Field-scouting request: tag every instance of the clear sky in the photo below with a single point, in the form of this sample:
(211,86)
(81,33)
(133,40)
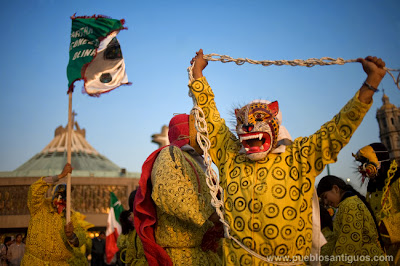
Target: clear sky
(161,39)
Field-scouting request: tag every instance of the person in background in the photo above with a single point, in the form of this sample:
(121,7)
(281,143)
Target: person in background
(383,193)
(355,231)
(50,240)
(99,249)
(16,251)
(4,249)
(129,242)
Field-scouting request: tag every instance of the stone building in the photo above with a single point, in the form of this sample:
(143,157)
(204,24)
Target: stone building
(93,178)
(388,116)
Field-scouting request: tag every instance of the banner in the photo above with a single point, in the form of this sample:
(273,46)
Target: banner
(95,55)
(113,227)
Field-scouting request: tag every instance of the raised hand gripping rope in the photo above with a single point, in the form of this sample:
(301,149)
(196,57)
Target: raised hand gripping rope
(204,142)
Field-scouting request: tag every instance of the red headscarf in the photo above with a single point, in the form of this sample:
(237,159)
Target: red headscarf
(145,216)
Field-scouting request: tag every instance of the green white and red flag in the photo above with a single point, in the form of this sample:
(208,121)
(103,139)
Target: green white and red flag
(113,227)
(95,54)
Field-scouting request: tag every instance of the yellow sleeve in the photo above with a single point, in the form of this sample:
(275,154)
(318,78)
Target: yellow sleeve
(78,230)
(36,195)
(392,223)
(220,135)
(175,188)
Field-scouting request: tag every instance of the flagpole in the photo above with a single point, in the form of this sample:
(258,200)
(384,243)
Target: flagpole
(69,145)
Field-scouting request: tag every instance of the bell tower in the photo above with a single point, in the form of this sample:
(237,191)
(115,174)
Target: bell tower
(388,116)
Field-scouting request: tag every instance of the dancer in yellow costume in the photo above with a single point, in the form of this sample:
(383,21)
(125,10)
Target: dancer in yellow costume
(50,241)
(173,208)
(268,185)
(356,239)
(383,193)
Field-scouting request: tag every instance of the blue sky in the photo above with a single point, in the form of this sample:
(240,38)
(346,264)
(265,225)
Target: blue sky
(161,39)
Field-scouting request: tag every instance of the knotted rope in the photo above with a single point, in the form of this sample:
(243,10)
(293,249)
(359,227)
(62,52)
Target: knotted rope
(205,144)
(324,61)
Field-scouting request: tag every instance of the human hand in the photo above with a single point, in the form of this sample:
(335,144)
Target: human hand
(374,67)
(200,64)
(67,170)
(69,230)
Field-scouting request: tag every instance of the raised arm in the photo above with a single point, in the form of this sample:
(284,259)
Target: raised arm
(374,68)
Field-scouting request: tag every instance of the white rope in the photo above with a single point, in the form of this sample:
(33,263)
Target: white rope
(324,61)
(204,141)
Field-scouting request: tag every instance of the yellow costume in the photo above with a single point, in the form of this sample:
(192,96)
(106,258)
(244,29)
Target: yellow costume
(268,202)
(391,221)
(182,200)
(46,242)
(134,254)
(355,235)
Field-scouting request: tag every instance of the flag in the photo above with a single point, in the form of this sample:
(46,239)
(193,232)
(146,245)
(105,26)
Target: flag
(95,54)
(113,227)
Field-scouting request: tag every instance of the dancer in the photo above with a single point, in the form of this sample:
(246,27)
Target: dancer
(268,181)
(173,203)
(383,193)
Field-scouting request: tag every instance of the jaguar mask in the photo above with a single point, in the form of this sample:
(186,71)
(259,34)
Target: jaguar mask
(258,128)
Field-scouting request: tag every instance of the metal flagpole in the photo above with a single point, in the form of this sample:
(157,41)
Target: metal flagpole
(69,145)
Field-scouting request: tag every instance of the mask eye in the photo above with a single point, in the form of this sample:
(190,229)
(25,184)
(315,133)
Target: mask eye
(260,116)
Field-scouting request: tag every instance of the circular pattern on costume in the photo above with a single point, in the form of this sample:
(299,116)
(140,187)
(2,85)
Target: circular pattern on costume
(262,173)
(277,160)
(231,258)
(305,168)
(246,259)
(306,186)
(294,193)
(239,224)
(330,126)
(240,204)
(289,160)
(354,114)
(359,215)
(278,173)
(288,232)
(249,242)
(248,171)
(297,156)
(278,191)
(301,224)
(355,236)
(294,173)
(245,182)
(349,219)
(300,242)
(255,224)
(255,206)
(266,249)
(345,131)
(350,248)
(358,224)
(271,210)
(289,213)
(260,189)
(232,188)
(346,229)
(304,205)
(235,172)
(271,231)
(308,234)
(319,165)
(281,250)
(229,204)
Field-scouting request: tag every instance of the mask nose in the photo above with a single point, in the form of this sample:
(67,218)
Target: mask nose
(248,127)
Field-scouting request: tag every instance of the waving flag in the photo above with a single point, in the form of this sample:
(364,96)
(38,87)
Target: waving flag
(113,227)
(95,54)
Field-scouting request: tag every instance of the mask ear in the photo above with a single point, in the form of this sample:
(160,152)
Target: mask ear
(236,112)
(274,108)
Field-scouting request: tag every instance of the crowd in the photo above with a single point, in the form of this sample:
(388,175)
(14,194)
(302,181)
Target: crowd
(269,200)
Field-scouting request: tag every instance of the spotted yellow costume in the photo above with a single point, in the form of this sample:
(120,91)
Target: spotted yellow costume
(46,242)
(354,234)
(268,202)
(182,200)
(132,246)
(391,219)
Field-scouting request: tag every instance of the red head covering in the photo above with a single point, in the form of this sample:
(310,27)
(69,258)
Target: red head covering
(144,210)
